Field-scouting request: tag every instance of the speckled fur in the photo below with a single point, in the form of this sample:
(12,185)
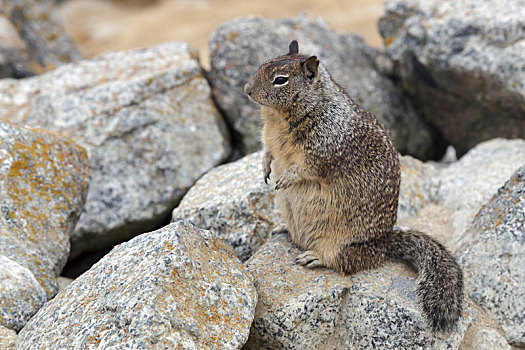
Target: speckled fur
(337,174)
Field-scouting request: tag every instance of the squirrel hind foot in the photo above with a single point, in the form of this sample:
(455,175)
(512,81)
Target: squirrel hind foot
(280,230)
(309,259)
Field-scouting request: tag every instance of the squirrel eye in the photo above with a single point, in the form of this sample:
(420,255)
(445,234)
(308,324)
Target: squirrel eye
(280,80)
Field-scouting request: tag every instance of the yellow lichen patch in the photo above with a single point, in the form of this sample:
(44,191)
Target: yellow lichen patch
(45,184)
(389,40)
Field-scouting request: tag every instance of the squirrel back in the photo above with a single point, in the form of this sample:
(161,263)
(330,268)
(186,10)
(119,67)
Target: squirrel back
(337,176)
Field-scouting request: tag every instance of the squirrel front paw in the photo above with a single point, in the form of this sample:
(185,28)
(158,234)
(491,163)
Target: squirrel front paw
(287,178)
(266,165)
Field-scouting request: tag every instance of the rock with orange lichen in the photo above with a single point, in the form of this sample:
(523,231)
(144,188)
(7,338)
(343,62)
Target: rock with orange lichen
(300,308)
(43,184)
(179,287)
(148,123)
(32,39)
(492,253)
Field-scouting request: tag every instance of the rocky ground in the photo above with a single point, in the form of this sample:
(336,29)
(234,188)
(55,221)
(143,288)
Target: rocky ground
(100,154)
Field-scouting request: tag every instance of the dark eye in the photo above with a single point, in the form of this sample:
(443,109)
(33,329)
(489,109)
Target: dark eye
(280,80)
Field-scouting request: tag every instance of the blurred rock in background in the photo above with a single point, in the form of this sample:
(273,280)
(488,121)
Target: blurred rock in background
(32,39)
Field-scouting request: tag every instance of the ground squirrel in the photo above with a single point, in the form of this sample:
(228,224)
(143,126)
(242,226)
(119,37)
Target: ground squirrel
(337,180)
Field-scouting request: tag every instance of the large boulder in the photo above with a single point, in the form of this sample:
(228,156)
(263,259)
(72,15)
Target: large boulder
(492,253)
(462,62)
(148,123)
(300,308)
(233,201)
(176,288)
(442,199)
(466,185)
(33,41)
(240,46)
(43,184)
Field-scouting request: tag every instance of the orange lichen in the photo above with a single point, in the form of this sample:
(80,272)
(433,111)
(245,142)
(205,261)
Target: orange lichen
(46,181)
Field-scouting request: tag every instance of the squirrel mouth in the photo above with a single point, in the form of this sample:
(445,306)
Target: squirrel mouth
(254,100)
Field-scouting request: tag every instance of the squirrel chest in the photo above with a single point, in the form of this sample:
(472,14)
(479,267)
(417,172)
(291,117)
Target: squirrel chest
(307,205)
(279,141)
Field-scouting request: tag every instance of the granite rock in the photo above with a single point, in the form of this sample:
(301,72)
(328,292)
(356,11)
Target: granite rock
(419,186)
(20,294)
(492,253)
(300,308)
(462,63)
(177,287)
(7,338)
(489,339)
(471,181)
(33,40)
(240,46)
(148,123)
(233,201)
(43,184)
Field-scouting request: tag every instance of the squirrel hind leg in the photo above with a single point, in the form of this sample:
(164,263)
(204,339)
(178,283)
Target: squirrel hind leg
(355,257)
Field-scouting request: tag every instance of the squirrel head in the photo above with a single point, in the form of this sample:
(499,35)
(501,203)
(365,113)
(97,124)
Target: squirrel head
(286,83)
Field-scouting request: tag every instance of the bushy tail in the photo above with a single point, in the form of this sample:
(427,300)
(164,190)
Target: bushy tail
(440,283)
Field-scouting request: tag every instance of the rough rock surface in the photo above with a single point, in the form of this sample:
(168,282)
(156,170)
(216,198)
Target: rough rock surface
(462,62)
(7,338)
(177,287)
(148,123)
(233,201)
(419,186)
(488,339)
(43,184)
(33,40)
(471,181)
(300,308)
(492,253)
(240,46)
(20,293)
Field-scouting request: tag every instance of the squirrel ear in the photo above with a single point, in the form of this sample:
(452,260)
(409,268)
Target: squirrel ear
(311,67)
(293,49)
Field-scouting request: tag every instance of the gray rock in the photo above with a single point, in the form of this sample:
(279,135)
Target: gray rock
(233,201)
(7,338)
(462,62)
(419,186)
(20,294)
(489,339)
(470,182)
(148,123)
(63,282)
(177,287)
(43,184)
(492,253)
(300,308)
(33,41)
(240,46)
